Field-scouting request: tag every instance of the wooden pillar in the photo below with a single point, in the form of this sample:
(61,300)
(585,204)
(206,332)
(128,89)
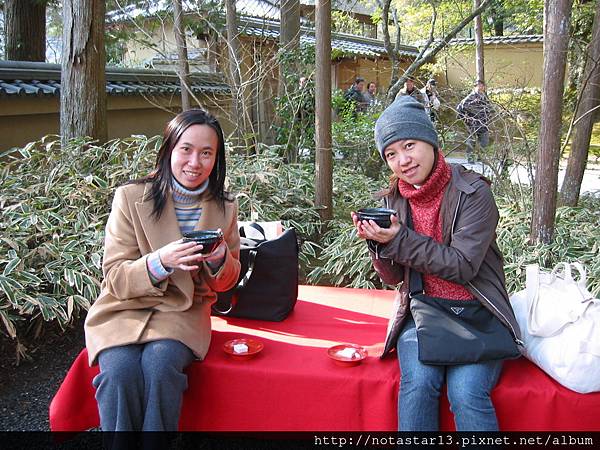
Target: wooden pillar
(479,61)
(324,158)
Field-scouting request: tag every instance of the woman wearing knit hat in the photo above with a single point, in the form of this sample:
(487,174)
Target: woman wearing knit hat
(450,245)
(152,318)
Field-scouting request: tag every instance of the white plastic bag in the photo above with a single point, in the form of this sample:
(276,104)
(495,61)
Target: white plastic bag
(560,323)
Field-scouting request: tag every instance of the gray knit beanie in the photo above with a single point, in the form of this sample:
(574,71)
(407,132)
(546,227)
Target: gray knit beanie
(404,119)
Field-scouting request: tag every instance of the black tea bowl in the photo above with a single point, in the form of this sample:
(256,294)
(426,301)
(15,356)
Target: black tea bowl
(381,216)
(210,239)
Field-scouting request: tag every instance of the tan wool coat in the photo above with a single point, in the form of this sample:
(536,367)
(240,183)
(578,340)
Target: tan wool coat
(130,309)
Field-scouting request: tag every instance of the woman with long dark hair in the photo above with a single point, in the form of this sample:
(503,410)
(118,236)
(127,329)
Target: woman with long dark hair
(152,318)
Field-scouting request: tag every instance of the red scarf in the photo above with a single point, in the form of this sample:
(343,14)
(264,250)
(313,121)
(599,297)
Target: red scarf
(425,205)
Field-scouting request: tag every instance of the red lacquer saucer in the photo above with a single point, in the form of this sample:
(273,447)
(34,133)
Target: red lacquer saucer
(254,347)
(347,355)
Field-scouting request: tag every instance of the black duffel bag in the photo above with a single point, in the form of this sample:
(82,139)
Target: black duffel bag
(267,287)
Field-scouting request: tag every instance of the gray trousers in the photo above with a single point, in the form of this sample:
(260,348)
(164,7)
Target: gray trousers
(476,135)
(140,387)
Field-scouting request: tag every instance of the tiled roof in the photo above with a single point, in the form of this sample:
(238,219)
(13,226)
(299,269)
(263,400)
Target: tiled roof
(348,43)
(265,9)
(258,8)
(261,18)
(25,78)
(515,39)
(355,6)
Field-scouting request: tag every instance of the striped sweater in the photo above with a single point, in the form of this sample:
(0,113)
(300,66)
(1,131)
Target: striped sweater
(188,212)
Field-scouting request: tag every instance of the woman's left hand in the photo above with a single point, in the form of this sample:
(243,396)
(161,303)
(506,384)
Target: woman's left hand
(216,258)
(370,230)
(217,255)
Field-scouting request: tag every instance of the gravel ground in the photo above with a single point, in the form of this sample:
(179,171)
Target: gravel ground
(27,389)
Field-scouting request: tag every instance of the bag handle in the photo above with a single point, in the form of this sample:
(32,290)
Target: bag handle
(242,283)
(532,286)
(554,323)
(566,268)
(582,274)
(568,275)
(415,279)
(257,227)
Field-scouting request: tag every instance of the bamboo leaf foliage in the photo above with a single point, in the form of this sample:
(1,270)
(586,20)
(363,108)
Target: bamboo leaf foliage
(54,204)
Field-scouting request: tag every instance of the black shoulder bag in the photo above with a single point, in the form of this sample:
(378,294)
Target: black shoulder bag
(456,331)
(267,287)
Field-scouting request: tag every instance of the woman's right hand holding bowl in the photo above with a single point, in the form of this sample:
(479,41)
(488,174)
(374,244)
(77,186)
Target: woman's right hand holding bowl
(181,255)
(377,224)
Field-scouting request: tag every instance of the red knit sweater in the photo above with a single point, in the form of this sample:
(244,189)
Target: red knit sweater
(425,205)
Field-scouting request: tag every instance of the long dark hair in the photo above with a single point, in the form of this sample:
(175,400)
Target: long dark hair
(161,177)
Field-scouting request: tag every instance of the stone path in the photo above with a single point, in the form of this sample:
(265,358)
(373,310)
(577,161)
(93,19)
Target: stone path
(589,185)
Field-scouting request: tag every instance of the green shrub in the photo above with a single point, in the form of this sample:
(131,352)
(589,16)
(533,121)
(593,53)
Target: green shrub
(295,107)
(344,260)
(576,238)
(269,189)
(352,138)
(55,203)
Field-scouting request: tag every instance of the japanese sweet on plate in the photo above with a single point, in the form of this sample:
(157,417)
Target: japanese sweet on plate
(347,355)
(242,348)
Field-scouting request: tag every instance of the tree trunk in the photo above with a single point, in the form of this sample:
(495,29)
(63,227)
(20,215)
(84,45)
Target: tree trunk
(323,159)
(497,12)
(25,30)
(387,43)
(83,77)
(590,98)
(557,15)
(289,38)
(289,41)
(479,62)
(183,68)
(233,44)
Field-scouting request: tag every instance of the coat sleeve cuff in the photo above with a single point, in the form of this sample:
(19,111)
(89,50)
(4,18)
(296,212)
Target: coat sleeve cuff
(225,277)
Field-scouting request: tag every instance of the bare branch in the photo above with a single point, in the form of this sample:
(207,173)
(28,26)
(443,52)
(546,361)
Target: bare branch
(183,67)
(575,119)
(426,57)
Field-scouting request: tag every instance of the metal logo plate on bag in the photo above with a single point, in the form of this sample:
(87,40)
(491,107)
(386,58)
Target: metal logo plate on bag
(457,310)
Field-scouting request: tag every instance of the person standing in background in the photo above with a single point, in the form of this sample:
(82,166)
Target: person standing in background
(371,94)
(433,102)
(410,90)
(355,94)
(475,111)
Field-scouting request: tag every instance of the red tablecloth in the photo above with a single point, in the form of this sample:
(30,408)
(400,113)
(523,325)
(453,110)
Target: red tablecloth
(292,385)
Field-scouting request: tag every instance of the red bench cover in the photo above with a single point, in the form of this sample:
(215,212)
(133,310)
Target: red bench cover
(292,385)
